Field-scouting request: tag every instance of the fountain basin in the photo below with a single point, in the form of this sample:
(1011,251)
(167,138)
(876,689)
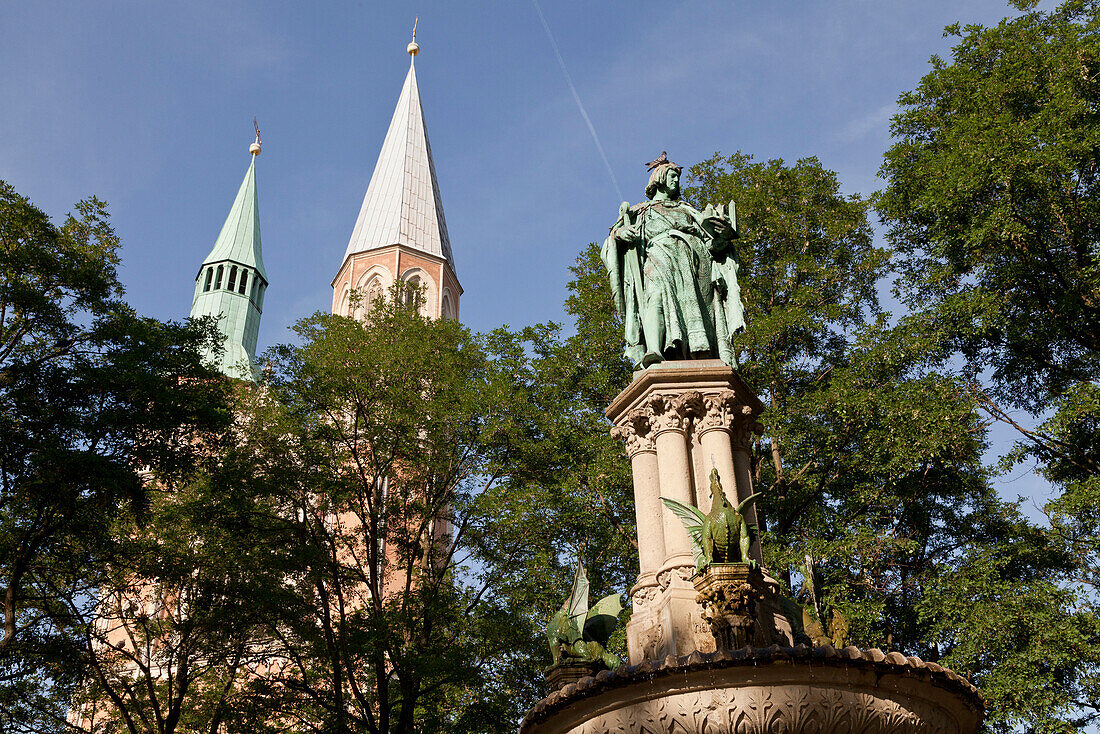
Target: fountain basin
(765,691)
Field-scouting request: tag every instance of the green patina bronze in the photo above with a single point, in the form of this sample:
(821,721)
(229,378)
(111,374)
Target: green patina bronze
(673,272)
(579,635)
(720,536)
(231,282)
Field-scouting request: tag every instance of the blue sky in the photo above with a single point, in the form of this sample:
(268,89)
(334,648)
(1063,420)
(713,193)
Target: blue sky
(149,106)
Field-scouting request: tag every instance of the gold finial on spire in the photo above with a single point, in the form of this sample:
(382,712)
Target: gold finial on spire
(413,49)
(254,149)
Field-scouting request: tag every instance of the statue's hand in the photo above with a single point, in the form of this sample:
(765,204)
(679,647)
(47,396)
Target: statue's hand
(719,227)
(721,287)
(627,233)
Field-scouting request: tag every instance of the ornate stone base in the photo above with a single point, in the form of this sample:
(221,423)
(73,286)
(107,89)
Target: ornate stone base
(667,619)
(673,619)
(765,691)
(729,594)
(559,676)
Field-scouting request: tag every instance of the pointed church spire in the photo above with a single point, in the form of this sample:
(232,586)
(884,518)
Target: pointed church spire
(402,204)
(231,282)
(239,239)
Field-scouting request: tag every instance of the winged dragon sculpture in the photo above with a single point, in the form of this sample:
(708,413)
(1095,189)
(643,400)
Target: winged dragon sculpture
(579,634)
(720,536)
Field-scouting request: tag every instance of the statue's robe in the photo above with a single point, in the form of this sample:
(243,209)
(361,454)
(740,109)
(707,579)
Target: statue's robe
(663,261)
(624,271)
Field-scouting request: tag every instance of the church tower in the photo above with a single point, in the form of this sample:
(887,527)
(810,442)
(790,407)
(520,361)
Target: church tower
(232,280)
(401,234)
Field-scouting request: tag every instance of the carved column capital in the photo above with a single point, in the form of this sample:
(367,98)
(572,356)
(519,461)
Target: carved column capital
(635,430)
(718,410)
(743,428)
(674,412)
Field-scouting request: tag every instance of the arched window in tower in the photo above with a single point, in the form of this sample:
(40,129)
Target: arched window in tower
(373,294)
(446,308)
(209,278)
(232,279)
(218,280)
(255,290)
(412,296)
(243,287)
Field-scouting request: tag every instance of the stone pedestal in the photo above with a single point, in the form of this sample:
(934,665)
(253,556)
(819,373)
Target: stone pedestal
(698,661)
(730,594)
(680,419)
(559,676)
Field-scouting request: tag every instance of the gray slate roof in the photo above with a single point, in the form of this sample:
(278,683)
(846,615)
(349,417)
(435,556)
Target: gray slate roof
(402,204)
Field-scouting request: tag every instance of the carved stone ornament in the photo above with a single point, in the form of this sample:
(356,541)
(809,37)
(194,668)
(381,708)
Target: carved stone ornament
(743,429)
(645,597)
(760,710)
(680,573)
(719,411)
(634,431)
(653,640)
(766,691)
(673,412)
(728,593)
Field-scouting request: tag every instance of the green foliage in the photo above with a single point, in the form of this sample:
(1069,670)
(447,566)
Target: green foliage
(992,200)
(179,622)
(372,442)
(869,463)
(567,490)
(1004,620)
(90,393)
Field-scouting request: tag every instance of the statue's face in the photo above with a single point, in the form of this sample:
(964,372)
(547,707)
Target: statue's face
(672,180)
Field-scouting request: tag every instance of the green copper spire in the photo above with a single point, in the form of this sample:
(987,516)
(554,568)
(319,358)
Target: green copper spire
(231,282)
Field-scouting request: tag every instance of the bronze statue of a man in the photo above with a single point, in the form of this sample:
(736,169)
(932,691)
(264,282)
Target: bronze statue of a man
(673,273)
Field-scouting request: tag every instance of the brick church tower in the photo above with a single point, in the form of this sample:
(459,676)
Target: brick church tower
(401,234)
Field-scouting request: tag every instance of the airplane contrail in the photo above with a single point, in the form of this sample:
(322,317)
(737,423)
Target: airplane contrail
(577,98)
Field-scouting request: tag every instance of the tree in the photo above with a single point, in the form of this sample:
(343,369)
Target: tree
(871,460)
(370,440)
(567,493)
(91,394)
(178,631)
(992,199)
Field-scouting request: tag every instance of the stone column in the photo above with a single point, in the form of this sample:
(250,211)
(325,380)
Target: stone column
(742,429)
(643,630)
(670,421)
(678,616)
(713,430)
(635,433)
